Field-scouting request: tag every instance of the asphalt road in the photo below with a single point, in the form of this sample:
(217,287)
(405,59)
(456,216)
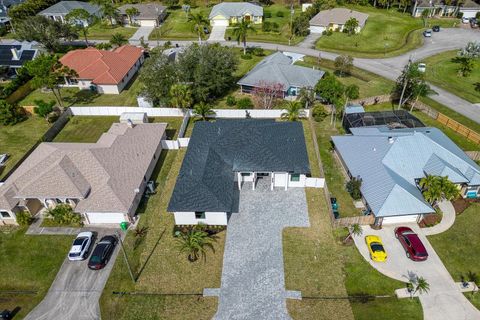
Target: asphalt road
(76,290)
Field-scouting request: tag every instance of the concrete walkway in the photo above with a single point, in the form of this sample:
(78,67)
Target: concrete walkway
(36,229)
(310,40)
(253,280)
(444,301)
(448,219)
(141,32)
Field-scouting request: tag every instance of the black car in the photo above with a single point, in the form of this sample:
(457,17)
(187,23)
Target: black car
(206,30)
(102,252)
(436,28)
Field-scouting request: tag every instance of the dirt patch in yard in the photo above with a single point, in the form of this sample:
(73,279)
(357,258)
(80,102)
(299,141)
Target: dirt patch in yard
(430,220)
(462,204)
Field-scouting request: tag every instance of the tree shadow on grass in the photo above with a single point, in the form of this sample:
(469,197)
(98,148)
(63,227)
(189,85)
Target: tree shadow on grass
(149,256)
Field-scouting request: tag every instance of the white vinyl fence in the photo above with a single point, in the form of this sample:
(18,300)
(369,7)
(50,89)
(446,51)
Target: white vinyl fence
(315,182)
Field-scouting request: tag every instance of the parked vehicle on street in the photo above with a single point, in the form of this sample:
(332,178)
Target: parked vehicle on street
(473,22)
(465,20)
(422,67)
(411,243)
(436,28)
(102,252)
(375,248)
(427,33)
(3,158)
(80,246)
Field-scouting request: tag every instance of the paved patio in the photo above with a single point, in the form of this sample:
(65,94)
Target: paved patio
(253,281)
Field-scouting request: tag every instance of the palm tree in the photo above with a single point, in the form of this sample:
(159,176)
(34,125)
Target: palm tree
(181,96)
(353,230)
(118,40)
(200,22)
(428,182)
(472,277)
(109,11)
(449,189)
(77,17)
(132,12)
(421,286)
(421,90)
(307,97)
(293,111)
(203,110)
(240,31)
(195,242)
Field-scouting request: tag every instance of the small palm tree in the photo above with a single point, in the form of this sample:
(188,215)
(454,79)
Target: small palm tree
(293,111)
(473,277)
(449,189)
(118,40)
(195,242)
(353,230)
(181,96)
(240,31)
(131,12)
(421,90)
(200,22)
(421,286)
(307,97)
(203,110)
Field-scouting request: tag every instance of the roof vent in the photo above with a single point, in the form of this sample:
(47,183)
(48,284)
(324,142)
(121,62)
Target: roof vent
(374,149)
(129,123)
(390,140)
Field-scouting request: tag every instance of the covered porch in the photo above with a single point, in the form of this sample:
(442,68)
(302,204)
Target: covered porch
(269,180)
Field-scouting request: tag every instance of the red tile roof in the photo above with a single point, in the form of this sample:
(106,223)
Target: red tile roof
(102,66)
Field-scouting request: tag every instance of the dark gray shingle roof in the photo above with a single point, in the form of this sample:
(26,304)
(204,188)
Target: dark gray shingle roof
(219,149)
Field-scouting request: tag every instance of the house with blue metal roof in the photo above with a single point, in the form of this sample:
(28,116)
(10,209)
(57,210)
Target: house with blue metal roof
(227,155)
(228,13)
(391,162)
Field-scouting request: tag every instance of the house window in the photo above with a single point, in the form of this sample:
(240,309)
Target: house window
(199,215)
(72,81)
(5,214)
(295,177)
(245,174)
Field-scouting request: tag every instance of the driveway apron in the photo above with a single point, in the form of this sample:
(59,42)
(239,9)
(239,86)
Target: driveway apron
(253,281)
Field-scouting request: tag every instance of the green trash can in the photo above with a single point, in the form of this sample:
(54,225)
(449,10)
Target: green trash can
(124,225)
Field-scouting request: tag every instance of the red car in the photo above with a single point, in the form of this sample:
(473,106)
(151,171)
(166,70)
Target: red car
(411,243)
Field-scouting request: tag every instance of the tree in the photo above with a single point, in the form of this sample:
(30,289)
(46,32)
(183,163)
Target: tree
(171,3)
(45,31)
(351,92)
(118,40)
(10,114)
(76,17)
(353,187)
(330,89)
(131,12)
(435,188)
(477,86)
(194,243)
(406,88)
(28,8)
(307,97)
(240,31)
(109,11)
(43,108)
(422,89)
(301,25)
(343,65)
(266,94)
(466,57)
(181,96)
(203,110)
(47,71)
(449,189)
(324,4)
(425,16)
(199,22)
(293,111)
(404,4)
(421,285)
(353,230)
(472,277)
(350,26)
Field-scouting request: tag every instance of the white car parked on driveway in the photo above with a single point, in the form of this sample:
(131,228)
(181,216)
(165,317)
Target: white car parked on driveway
(422,67)
(80,246)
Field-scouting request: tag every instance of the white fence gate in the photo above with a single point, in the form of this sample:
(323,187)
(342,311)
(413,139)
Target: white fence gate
(315,182)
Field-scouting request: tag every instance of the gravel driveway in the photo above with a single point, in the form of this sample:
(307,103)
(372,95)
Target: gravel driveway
(444,301)
(75,292)
(253,281)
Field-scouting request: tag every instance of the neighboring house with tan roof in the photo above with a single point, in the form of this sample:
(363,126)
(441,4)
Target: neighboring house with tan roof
(334,19)
(103,71)
(149,14)
(102,181)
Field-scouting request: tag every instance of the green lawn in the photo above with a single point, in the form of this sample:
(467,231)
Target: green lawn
(16,140)
(443,72)
(74,96)
(461,141)
(29,263)
(101,31)
(160,267)
(177,26)
(280,36)
(369,84)
(386,33)
(458,247)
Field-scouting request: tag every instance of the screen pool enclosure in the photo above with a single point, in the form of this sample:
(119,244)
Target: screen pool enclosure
(394,119)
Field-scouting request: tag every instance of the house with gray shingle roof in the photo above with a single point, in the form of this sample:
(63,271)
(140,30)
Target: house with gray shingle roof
(335,19)
(277,69)
(227,13)
(391,162)
(61,9)
(226,155)
(103,181)
(149,14)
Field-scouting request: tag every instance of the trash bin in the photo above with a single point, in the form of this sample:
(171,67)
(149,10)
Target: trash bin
(124,225)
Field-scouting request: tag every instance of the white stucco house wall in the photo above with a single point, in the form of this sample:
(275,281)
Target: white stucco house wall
(228,13)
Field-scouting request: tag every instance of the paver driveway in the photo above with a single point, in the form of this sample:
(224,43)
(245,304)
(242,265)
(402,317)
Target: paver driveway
(253,282)
(75,291)
(444,301)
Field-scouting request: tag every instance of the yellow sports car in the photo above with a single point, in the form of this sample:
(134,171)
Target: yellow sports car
(375,248)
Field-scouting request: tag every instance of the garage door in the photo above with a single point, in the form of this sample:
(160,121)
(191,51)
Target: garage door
(220,22)
(401,219)
(314,29)
(469,14)
(103,217)
(147,23)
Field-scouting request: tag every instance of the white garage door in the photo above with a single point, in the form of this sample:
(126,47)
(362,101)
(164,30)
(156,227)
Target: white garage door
(147,23)
(103,217)
(314,29)
(400,219)
(220,22)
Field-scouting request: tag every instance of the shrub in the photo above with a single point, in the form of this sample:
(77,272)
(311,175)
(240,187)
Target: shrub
(353,187)
(247,56)
(319,113)
(267,14)
(231,101)
(63,214)
(53,116)
(266,26)
(10,114)
(259,52)
(275,26)
(24,218)
(245,103)
(280,14)
(43,108)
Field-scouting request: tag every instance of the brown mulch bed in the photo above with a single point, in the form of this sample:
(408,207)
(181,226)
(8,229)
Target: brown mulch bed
(462,204)
(430,220)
